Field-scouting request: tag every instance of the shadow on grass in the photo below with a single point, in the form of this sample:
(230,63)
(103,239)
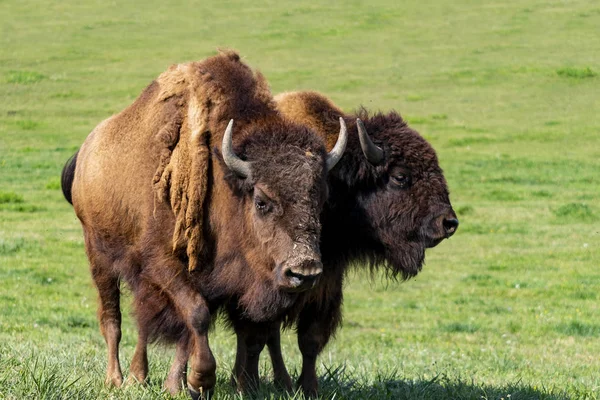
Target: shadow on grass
(337,384)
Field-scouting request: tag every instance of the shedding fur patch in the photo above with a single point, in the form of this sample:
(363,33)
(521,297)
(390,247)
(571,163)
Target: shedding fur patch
(211,92)
(182,176)
(173,82)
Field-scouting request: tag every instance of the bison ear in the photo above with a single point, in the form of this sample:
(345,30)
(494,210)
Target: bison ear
(237,184)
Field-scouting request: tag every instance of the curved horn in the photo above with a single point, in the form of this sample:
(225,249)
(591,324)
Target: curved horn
(338,150)
(373,153)
(233,162)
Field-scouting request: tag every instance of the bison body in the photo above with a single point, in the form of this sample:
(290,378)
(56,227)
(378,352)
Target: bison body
(192,223)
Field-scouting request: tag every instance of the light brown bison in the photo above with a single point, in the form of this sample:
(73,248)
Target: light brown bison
(388,202)
(190,229)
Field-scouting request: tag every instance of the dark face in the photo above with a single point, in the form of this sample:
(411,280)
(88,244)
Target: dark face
(282,202)
(408,207)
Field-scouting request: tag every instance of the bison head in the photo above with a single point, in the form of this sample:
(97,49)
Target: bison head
(280,177)
(403,201)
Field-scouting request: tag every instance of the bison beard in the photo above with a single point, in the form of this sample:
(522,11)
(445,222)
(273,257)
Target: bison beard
(191,231)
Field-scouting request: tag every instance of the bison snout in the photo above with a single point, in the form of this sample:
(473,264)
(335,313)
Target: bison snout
(301,277)
(450,226)
(441,227)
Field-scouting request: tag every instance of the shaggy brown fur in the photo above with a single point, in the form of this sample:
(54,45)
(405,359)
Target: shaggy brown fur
(164,213)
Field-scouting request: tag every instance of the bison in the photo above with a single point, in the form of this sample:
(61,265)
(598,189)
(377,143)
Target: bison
(192,222)
(388,203)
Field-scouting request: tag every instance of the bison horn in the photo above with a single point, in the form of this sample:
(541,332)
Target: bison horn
(233,162)
(338,150)
(373,153)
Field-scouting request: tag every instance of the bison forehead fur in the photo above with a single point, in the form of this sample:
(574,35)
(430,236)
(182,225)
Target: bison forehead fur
(288,159)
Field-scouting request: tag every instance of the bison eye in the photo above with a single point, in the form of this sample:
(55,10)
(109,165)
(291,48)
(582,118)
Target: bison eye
(402,181)
(262,202)
(261,206)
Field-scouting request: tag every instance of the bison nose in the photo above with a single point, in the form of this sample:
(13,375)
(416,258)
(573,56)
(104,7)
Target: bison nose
(441,227)
(305,276)
(450,226)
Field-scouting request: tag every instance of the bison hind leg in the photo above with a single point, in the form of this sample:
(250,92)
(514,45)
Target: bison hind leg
(105,274)
(109,316)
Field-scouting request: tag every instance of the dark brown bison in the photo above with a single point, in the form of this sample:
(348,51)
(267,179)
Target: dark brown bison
(388,203)
(191,230)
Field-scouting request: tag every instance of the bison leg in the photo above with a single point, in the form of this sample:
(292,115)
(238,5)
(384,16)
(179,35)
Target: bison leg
(138,371)
(177,374)
(193,310)
(251,338)
(251,341)
(315,328)
(240,358)
(280,373)
(201,378)
(109,314)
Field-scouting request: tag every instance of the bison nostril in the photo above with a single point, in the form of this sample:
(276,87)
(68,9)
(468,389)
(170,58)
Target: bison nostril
(450,226)
(298,278)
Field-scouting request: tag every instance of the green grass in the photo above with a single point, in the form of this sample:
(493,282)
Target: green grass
(578,73)
(10,197)
(23,77)
(507,93)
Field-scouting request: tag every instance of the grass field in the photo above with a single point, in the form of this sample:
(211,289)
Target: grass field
(507,92)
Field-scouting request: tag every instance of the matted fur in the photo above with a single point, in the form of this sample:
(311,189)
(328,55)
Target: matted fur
(181,177)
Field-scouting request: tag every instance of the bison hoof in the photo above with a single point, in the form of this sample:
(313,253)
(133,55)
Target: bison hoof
(310,387)
(116,381)
(200,385)
(200,395)
(173,386)
(133,379)
(245,385)
(284,382)
(195,395)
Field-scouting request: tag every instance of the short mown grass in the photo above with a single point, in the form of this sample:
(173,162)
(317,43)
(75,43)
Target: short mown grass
(506,92)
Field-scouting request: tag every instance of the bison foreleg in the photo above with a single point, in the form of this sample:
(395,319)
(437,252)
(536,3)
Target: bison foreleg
(280,373)
(240,358)
(201,377)
(192,309)
(177,374)
(315,328)
(251,339)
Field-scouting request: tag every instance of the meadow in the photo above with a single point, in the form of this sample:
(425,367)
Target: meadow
(507,92)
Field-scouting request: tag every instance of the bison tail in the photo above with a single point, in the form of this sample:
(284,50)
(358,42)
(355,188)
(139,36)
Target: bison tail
(68,173)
